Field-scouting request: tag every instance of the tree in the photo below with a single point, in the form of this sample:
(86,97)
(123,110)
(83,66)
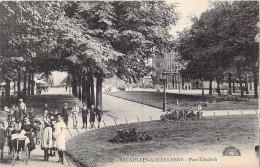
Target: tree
(221,40)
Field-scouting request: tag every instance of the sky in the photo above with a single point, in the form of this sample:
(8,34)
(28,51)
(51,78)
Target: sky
(185,8)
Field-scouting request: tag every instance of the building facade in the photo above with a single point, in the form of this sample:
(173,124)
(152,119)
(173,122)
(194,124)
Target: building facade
(172,66)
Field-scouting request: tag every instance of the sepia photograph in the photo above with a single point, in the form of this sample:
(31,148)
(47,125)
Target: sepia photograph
(145,83)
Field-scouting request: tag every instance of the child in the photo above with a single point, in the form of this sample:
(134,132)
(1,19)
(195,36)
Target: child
(2,138)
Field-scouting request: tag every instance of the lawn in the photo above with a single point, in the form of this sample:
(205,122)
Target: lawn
(93,148)
(209,102)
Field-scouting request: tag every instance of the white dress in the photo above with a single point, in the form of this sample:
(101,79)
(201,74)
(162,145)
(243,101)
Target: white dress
(60,136)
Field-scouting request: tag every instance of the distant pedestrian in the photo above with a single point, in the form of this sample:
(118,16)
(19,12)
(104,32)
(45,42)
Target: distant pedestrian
(65,114)
(22,107)
(92,115)
(2,138)
(46,107)
(66,87)
(60,137)
(74,114)
(99,114)
(84,116)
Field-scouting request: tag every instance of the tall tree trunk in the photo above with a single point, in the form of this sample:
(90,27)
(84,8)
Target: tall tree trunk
(88,91)
(255,85)
(79,85)
(99,91)
(218,87)
(14,85)
(92,89)
(32,84)
(83,84)
(241,86)
(229,84)
(202,87)
(19,84)
(210,86)
(234,89)
(24,83)
(247,92)
(29,84)
(7,91)
(74,85)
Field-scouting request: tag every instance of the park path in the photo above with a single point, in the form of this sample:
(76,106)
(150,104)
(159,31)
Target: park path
(116,111)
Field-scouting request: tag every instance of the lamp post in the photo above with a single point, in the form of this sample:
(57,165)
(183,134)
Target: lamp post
(164,91)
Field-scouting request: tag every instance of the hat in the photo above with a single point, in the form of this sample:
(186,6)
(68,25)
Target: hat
(20,100)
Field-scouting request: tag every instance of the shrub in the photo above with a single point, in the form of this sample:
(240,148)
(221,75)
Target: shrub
(129,135)
(179,115)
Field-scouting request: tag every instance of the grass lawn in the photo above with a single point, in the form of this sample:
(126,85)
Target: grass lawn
(185,101)
(94,149)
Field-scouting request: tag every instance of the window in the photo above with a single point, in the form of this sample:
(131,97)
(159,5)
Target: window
(157,64)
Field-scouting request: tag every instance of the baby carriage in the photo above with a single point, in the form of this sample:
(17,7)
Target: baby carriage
(19,142)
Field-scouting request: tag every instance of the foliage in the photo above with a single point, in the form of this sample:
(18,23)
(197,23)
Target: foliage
(221,40)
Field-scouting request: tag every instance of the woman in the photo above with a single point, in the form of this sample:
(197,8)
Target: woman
(27,127)
(46,142)
(60,137)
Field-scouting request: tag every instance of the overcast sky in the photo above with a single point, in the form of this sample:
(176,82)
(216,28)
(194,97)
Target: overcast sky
(187,8)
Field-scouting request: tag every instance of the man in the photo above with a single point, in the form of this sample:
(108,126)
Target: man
(65,114)
(60,137)
(74,114)
(84,116)
(99,114)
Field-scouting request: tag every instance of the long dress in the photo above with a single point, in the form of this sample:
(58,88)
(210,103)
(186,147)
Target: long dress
(46,141)
(60,136)
(28,128)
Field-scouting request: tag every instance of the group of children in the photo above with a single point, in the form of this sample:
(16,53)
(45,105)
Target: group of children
(92,112)
(24,123)
(19,124)
(53,134)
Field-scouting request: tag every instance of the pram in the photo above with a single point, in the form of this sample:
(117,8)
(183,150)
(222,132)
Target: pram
(19,142)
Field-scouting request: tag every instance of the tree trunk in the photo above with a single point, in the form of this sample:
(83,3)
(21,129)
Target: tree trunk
(29,84)
(241,86)
(234,89)
(229,84)
(247,92)
(88,92)
(74,85)
(83,84)
(92,89)
(218,87)
(32,84)
(79,85)
(19,84)
(24,83)
(255,85)
(99,92)
(210,86)
(14,85)
(202,86)
(7,91)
